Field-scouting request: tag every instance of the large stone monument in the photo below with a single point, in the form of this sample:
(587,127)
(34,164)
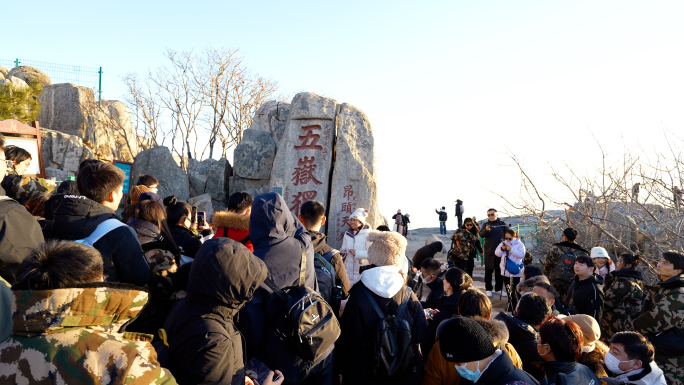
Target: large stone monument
(312,148)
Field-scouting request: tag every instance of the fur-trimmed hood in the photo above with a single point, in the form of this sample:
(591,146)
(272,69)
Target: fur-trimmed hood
(528,284)
(230,220)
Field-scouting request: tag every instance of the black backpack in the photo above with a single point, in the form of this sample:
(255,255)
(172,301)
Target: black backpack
(564,271)
(301,317)
(393,346)
(325,275)
(442,216)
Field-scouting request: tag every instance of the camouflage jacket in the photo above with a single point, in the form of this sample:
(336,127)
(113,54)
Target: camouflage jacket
(554,255)
(624,291)
(70,336)
(663,307)
(463,245)
(22,187)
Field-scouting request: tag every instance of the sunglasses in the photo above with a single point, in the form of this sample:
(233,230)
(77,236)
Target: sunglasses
(491,215)
(469,225)
(508,239)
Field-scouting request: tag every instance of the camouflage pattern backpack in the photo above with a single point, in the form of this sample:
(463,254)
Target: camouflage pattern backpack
(564,269)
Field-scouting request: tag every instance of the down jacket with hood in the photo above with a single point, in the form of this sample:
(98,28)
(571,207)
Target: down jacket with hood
(234,226)
(19,234)
(355,241)
(76,217)
(277,237)
(515,254)
(360,326)
(523,337)
(205,346)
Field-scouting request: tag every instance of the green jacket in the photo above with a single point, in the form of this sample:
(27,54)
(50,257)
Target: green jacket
(70,336)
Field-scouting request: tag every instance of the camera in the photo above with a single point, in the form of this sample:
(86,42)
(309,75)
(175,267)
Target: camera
(337,293)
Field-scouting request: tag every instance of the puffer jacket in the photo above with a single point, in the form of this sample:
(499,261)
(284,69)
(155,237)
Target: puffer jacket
(205,346)
(75,217)
(523,338)
(67,336)
(278,238)
(355,241)
(19,235)
(516,254)
(624,295)
(649,375)
(234,226)
(662,310)
(566,373)
(360,325)
(188,242)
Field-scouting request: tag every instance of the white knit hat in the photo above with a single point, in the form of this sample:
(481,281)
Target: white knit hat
(599,252)
(360,214)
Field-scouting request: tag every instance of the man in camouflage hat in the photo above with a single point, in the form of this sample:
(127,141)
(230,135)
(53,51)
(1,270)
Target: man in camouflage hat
(67,323)
(663,314)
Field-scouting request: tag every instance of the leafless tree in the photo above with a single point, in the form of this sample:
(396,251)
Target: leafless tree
(211,93)
(631,204)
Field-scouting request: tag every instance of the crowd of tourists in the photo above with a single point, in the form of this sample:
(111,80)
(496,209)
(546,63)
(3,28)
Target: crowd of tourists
(256,295)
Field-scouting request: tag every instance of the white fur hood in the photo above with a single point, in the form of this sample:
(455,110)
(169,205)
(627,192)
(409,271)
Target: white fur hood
(384,281)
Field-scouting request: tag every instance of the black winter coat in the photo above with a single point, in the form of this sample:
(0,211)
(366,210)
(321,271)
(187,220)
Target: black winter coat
(319,241)
(567,373)
(586,297)
(205,347)
(501,371)
(19,235)
(425,252)
(436,292)
(76,217)
(359,328)
(492,239)
(187,241)
(277,237)
(523,337)
(448,307)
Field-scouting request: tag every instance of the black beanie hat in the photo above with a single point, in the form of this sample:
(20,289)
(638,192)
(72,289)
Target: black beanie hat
(570,233)
(462,339)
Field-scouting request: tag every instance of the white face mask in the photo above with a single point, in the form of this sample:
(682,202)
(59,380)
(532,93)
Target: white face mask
(613,364)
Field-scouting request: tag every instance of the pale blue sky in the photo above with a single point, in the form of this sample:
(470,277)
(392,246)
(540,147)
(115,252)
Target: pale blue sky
(448,86)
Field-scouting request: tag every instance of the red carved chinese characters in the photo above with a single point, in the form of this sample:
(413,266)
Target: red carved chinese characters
(300,198)
(347,207)
(304,173)
(309,139)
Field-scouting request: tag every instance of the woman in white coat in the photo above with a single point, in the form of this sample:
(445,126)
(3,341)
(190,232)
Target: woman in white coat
(354,244)
(512,252)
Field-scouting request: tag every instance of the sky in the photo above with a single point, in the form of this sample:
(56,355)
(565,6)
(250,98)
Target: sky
(452,89)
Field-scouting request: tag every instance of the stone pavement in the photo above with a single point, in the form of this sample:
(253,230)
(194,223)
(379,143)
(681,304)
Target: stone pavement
(417,239)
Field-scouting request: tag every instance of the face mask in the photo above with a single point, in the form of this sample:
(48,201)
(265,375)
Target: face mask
(613,364)
(467,373)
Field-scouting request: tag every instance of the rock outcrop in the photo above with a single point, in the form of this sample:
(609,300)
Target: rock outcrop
(158,162)
(354,180)
(62,153)
(305,154)
(4,71)
(105,129)
(209,176)
(14,81)
(323,151)
(29,74)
